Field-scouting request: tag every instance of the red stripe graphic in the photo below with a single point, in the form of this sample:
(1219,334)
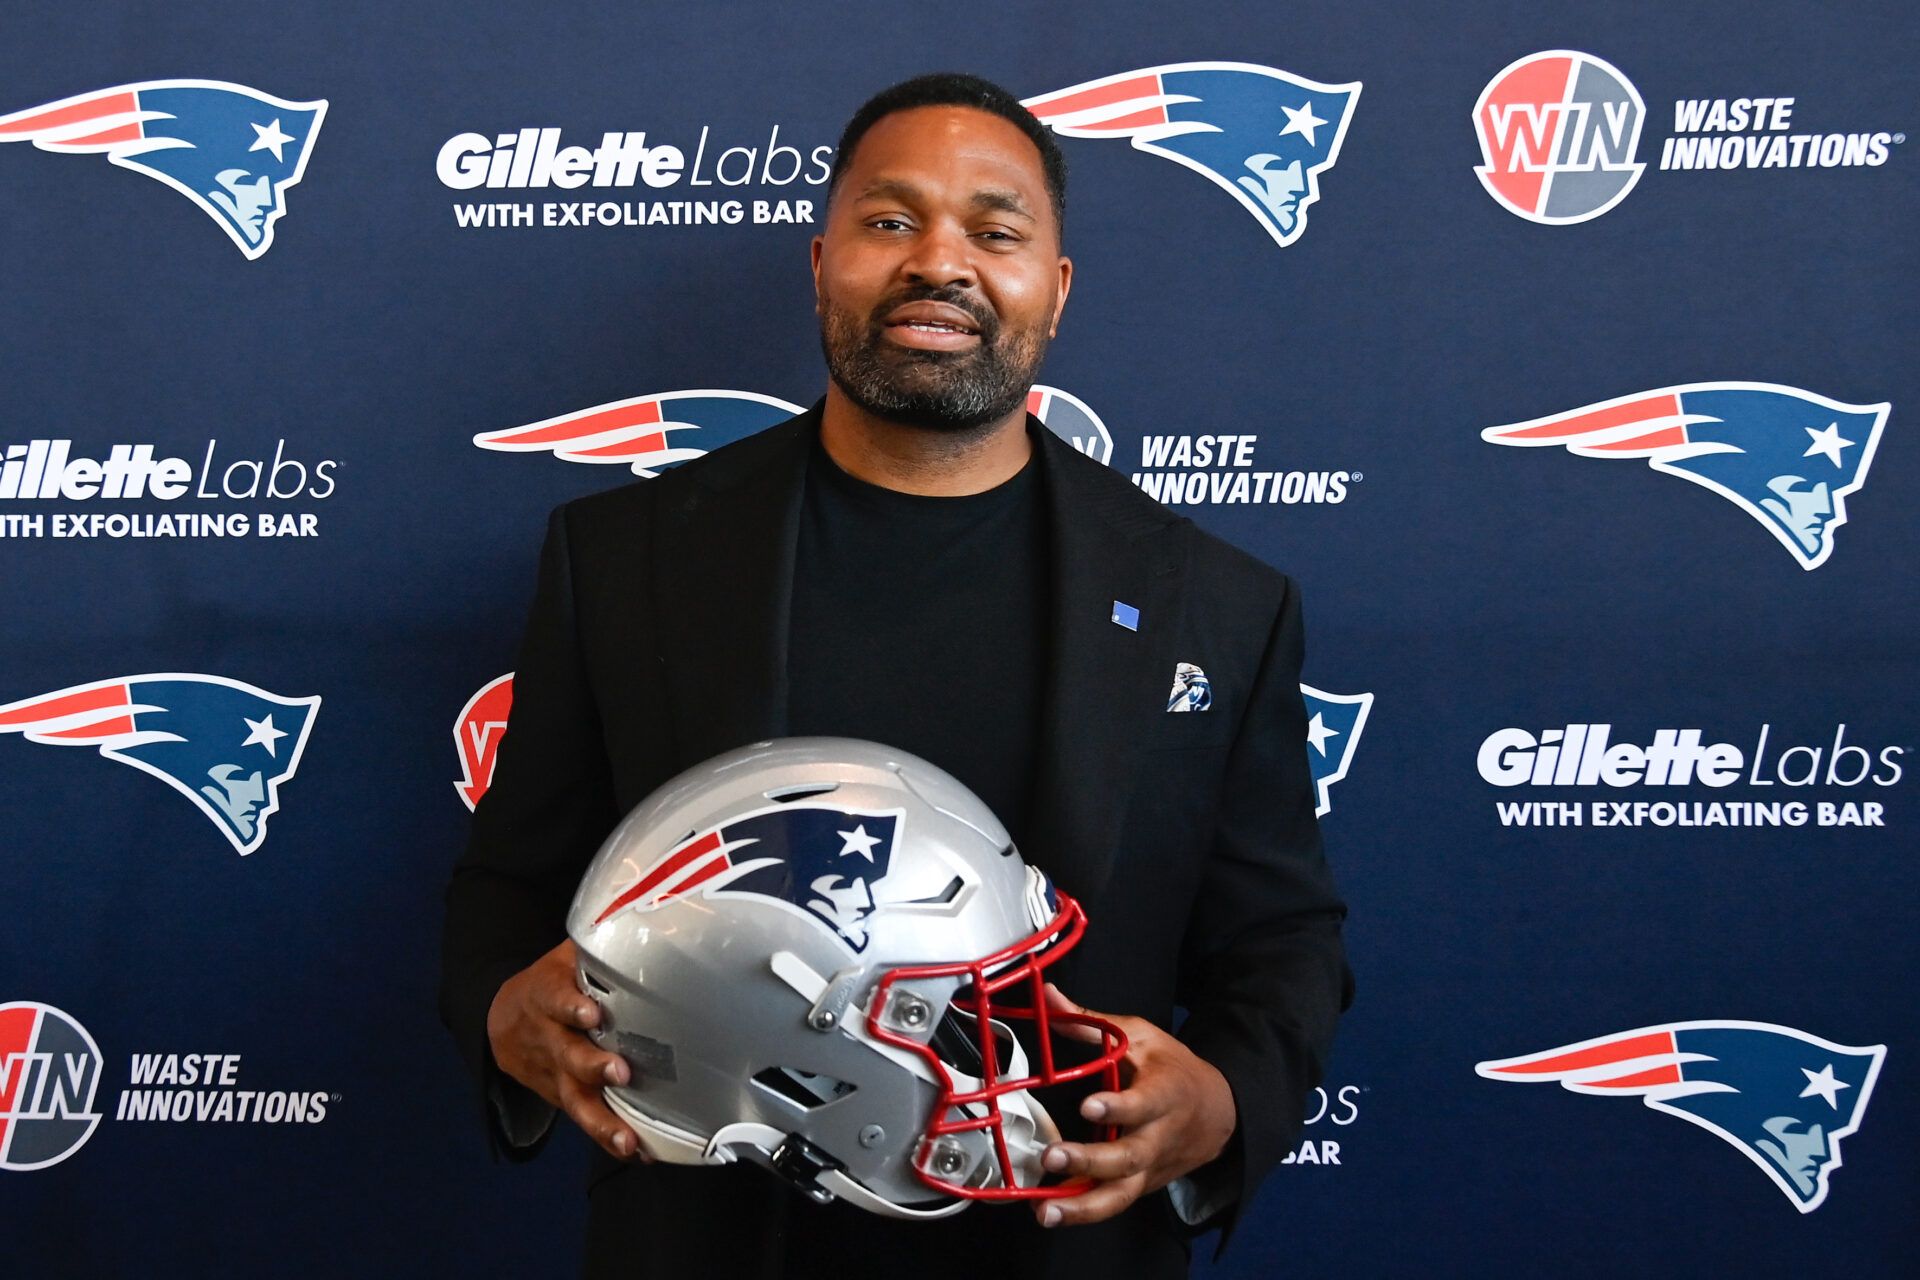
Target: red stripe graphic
(663,871)
(1599,1055)
(16,1037)
(643,414)
(1106,95)
(1652,440)
(111,104)
(98,729)
(1669,1074)
(121,133)
(701,874)
(1619,415)
(103,698)
(653,442)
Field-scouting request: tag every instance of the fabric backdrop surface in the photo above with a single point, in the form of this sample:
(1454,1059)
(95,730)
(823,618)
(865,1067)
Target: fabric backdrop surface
(1563,353)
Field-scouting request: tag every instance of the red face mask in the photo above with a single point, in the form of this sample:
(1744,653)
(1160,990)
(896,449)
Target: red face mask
(977,1035)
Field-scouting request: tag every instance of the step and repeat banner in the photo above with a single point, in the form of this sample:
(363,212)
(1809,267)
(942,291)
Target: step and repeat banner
(1564,353)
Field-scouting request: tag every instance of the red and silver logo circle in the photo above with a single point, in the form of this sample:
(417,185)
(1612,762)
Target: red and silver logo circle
(1558,135)
(49,1072)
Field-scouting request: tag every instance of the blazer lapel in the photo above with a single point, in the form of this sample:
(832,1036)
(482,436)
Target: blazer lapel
(724,584)
(1105,682)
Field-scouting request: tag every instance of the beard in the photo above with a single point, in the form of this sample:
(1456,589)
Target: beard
(950,391)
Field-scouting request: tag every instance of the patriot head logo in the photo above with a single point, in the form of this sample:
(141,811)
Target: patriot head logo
(1334,722)
(1070,418)
(49,1073)
(1783,1097)
(224,745)
(1558,134)
(231,150)
(646,433)
(817,859)
(1786,457)
(1192,689)
(477,733)
(1262,136)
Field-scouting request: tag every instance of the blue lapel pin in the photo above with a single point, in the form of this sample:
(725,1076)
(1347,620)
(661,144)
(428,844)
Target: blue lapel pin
(1125,615)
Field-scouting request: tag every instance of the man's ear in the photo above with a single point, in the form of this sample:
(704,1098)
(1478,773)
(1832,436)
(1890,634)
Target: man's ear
(819,242)
(1060,303)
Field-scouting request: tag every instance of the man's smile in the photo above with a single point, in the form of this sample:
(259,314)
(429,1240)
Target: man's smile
(931,326)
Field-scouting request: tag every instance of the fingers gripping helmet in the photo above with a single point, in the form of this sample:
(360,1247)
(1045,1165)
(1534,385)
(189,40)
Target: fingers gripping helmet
(812,953)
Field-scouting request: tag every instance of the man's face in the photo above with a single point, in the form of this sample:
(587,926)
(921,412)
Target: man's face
(845,900)
(1799,1154)
(939,279)
(238,796)
(247,201)
(1805,512)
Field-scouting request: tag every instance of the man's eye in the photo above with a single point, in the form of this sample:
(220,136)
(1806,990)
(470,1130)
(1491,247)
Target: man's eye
(887,224)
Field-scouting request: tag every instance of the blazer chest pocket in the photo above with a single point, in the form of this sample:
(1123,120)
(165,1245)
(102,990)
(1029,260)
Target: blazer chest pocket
(1191,730)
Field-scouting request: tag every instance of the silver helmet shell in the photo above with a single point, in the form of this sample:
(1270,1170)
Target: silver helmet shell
(735,930)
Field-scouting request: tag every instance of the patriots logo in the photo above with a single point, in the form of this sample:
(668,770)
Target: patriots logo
(1192,690)
(1786,457)
(634,433)
(231,150)
(820,860)
(1070,418)
(1261,135)
(476,736)
(1783,1097)
(1334,722)
(224,745)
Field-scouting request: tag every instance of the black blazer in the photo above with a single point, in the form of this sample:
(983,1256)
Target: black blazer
(658,639)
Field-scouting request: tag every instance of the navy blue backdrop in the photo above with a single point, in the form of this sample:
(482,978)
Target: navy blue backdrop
(1700,306)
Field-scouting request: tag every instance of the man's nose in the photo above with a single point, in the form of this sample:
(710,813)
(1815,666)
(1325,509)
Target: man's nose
(942,254)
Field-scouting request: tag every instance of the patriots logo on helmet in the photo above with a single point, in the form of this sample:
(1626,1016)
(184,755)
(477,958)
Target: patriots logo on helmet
(1261,135)
(1786,457)
(231,150)
(636,433)
(1334,722)
(225,745)
(1073,420)
(1783,1097)
(821,860)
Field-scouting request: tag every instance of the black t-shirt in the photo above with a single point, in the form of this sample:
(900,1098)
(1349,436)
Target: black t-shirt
(920,622)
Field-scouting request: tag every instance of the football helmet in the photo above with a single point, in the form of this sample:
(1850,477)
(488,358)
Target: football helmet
(812,953)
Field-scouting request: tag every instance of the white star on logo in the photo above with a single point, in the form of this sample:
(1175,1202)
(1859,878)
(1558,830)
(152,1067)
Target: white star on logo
(264,733)
(1302,121)
(1318,733)
(1825,1084)
(271,139)
(858,841)
(1827,442)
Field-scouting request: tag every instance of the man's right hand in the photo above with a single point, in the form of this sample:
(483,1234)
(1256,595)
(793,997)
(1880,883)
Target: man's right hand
(534,1025)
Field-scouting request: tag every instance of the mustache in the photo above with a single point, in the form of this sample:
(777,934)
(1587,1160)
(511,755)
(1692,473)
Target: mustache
(982,316)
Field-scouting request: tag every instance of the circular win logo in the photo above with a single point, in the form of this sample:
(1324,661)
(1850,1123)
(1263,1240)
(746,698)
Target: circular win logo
(1558,134)
(49,1071)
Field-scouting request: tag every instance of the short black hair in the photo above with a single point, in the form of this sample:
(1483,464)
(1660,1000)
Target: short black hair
(955,89)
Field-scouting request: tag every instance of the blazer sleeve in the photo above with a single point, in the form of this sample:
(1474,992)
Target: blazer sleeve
(549,806)
(1263,972)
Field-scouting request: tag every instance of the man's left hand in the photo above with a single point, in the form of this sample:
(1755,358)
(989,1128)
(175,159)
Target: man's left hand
(1175,1113)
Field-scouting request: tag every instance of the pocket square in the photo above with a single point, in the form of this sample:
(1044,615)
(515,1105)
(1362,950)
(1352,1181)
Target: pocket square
(1192,691)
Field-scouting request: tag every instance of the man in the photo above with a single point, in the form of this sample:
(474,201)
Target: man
(917,562)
